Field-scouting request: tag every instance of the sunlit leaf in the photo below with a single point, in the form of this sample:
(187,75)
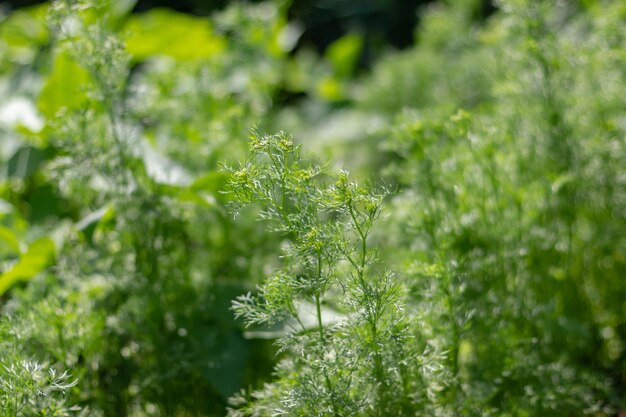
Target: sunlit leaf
(122,7)
(65,87)
(212,183)
(344,54)
(38,256)
(9,243)
(308,316)
(330,89)
(24,162)
(23,32)
(165,32)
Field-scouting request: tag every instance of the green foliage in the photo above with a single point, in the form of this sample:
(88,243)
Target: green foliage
(327,261)
(31,263)
(506,224)
(506,213)
(136,304)
(161,32)
(27,387)
(489,284)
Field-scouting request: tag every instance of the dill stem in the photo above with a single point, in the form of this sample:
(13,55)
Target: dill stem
(320,327)
(372,313)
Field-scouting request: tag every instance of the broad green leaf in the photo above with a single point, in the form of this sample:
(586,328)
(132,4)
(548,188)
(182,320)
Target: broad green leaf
(230,351)
(38,256)
(165,32)
(120,8)
(308,317)
(23,32)
(330,89)
(113,11)
(90,223)
(207,190)
(213,182)
(344,53)
(226,372)
(65,87)
(11,218)
(288,36)
(90,220)
(25,162)
(9,243)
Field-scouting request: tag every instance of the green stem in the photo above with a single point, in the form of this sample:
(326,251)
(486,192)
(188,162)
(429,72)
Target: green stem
(454,349)
(320,328)
(372,312)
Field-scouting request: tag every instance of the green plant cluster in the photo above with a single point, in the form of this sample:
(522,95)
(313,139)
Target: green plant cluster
(328,262)
(472,264)
(130,256)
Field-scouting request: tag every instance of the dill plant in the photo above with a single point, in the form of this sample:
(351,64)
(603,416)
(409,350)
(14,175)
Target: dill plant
(502,215)
(359,364)
(27,386)
(505,142)
(132,305)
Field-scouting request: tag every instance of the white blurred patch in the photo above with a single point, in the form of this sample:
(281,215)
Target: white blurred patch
(20,111)
(289,36)
(162,169)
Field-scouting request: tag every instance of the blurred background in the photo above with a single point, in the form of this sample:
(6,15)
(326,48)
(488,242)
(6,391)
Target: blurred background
(500,130)
(383,23)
